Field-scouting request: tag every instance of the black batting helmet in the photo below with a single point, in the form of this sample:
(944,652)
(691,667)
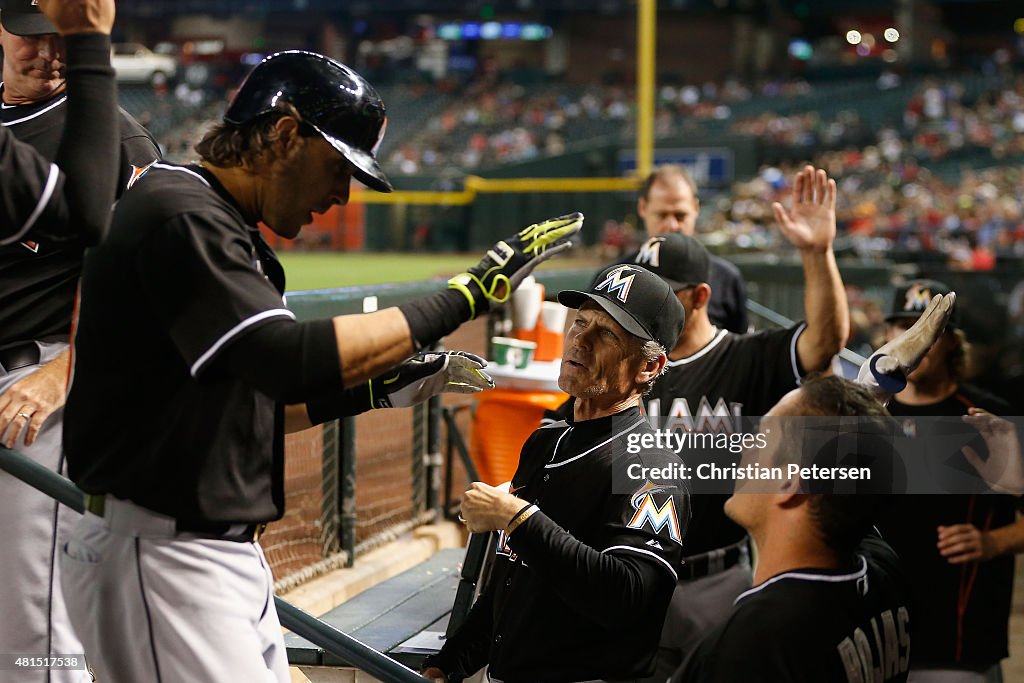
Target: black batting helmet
(332,98)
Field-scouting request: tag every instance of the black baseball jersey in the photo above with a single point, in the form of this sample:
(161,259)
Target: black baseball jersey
(31,189)
(734,376)
(180,276)
(815,625)
(38,277)
(579,590)
(961,611)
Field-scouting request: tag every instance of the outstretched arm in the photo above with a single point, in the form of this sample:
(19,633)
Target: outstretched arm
(810,226)
(70,198)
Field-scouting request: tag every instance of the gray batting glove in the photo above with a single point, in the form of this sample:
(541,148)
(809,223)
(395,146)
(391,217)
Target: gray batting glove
(429,374)
(509,261)
(885,372)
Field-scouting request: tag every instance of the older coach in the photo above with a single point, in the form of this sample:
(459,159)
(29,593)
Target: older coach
(586,555)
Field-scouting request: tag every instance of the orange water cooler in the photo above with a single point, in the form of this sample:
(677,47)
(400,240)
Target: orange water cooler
(505,417)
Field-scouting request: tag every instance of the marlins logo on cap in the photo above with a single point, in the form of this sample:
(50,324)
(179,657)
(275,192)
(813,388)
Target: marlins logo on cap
(917,297)
(910,300)
(637,299)
(650,252)
(680,260)
(617,284)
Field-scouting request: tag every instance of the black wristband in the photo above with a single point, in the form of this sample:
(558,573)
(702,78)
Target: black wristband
(344,404)
(434,316)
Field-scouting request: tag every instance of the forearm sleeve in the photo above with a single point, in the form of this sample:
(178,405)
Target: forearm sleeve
(432,317)
(288,361)
(88,152)
(604,587)
(349,402)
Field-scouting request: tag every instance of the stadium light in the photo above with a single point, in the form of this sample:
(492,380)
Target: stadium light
(892,35)
(853,37)
(1018,26)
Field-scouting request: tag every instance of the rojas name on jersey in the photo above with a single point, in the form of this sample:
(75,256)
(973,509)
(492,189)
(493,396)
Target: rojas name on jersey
(889,637)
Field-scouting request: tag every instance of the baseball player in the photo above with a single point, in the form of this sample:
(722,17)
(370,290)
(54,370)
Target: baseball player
(668,203)
(164,579)
(38,195)
(958,548)
(586,558)
(830,600)
(38,278)
(714,378)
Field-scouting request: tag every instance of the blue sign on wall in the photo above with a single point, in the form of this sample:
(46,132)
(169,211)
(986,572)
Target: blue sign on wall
(710,166)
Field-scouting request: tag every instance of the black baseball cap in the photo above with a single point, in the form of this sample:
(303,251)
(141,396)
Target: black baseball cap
(637,299)
(23,18)
(910,300)
(678,259)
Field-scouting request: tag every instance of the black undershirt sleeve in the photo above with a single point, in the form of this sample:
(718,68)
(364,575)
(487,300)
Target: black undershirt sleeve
(288,361)
(608,588)
(432,317)
(88,151)
(350,402)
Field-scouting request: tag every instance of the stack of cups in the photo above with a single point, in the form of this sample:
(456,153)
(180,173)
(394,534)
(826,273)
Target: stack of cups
(551,331)
(526,305)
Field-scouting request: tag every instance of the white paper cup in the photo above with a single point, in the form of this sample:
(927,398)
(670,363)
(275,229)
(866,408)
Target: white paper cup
(515,352)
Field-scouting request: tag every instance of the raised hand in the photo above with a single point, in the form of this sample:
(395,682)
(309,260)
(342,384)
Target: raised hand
(811,223)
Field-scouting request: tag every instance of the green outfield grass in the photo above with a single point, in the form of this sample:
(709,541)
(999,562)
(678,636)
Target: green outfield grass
(327,270)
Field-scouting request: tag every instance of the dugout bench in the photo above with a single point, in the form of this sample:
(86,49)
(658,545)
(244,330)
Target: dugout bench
(405,617)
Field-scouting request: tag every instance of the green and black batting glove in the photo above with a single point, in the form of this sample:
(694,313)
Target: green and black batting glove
(429,374)
(509,261)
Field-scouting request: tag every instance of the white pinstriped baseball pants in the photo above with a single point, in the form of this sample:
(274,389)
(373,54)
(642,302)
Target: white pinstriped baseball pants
(157,607)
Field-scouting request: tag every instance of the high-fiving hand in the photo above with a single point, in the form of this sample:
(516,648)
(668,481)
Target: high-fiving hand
(811,223)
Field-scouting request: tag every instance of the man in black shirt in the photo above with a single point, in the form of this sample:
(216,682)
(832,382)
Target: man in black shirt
(714,378)
(958,548)
(589,538)
(164,579)
(39,269)
(830,601)
(668,203)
